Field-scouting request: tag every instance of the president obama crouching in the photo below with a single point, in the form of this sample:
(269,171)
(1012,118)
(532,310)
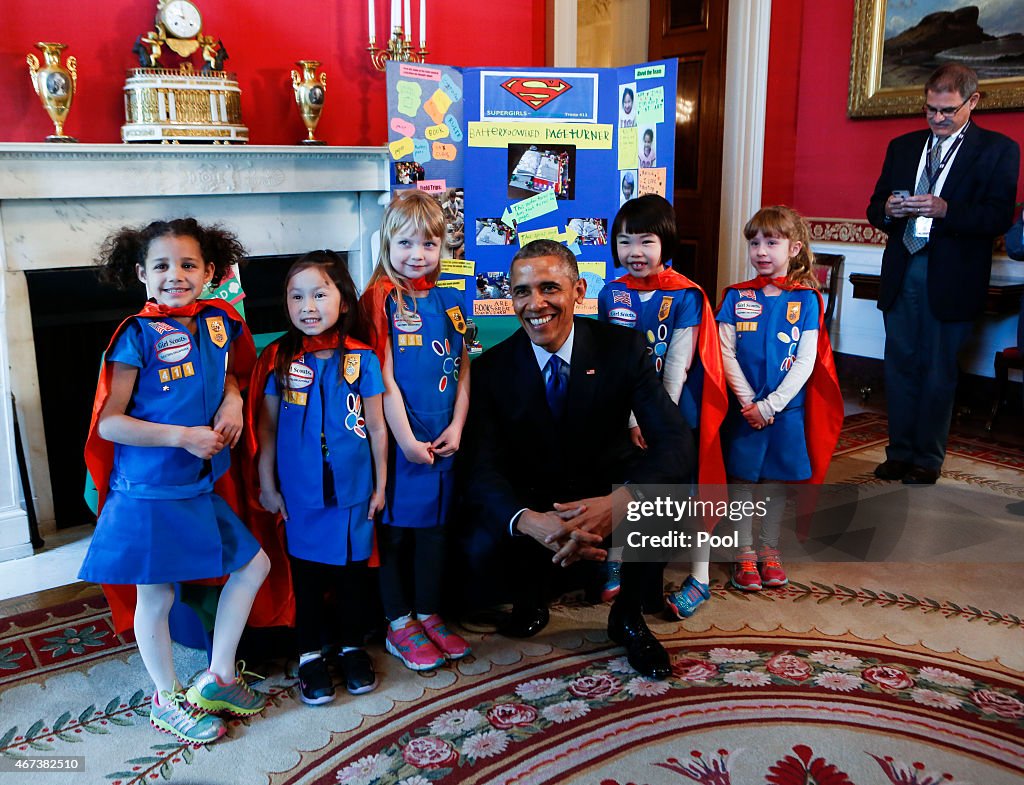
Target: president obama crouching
(547,438)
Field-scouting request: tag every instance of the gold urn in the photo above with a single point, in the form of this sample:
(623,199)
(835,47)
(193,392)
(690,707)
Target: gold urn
(309,95)
(55,85)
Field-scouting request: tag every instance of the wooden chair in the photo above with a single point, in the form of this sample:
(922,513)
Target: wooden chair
(828,268)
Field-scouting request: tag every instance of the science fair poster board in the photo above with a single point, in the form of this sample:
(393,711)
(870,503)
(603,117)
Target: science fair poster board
(539,153)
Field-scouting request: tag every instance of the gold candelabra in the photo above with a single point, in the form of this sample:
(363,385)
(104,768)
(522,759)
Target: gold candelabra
(398,48)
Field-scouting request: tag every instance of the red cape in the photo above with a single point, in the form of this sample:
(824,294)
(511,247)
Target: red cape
(258,518)
(99,458)
(823,401)
(374,306)
(714,403)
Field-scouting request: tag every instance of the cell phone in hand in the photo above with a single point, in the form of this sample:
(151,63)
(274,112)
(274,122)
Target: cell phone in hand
(901,194)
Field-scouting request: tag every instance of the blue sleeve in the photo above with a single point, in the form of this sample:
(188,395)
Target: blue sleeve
(811,316)
(371,380)
(602,303)
(690,310)
(128,348)
(271,387)
(727,313)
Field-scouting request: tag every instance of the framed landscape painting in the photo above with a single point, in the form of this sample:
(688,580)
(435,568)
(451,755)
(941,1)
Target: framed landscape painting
(898,43)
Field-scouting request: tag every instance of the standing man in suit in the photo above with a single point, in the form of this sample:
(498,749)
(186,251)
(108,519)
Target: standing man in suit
(943,196)
(548,439)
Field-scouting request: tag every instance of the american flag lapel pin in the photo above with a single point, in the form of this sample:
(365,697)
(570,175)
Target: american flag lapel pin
(590,371)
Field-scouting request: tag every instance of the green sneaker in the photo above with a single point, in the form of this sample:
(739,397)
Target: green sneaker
(173,715)
(237,697)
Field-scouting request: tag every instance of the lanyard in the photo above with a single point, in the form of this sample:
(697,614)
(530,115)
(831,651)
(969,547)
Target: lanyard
(933,177)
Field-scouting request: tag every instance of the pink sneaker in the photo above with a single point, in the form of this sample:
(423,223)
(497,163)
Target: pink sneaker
(772,574)
(452,646)
(412,646)
(745,576)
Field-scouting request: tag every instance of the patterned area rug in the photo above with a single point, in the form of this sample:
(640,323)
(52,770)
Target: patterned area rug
(862,674)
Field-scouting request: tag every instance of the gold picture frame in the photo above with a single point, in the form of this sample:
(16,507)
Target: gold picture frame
(868,98)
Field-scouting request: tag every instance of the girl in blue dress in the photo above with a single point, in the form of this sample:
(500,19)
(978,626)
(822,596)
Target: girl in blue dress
(323,466)
(417,331)
(167,410)
(673,314)
(778,363)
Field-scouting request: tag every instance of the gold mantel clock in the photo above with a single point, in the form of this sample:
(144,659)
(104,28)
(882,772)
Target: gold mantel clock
(171,102)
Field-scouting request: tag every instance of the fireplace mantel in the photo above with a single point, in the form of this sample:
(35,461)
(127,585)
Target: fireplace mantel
(58,202)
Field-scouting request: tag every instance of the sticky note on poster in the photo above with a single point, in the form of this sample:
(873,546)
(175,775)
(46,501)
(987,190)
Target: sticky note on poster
(437,105)
(649,72)
(409,95)
(652,181)
(547,233)
(627,148)
(528,209)
(650,104)
(455,283)
(453,126)
(492,308)
(597,136)
(436,132)
(587,307)
(597,268)
(457,267)
(411,71)
(403,127)
(421,151)
(451,89)
(401,148)
(432,186)
(445,152)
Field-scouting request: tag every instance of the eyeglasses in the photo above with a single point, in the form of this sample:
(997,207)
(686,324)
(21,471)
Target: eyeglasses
(945,111)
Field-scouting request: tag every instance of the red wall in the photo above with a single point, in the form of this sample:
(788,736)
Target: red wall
(263,41)
(817,159)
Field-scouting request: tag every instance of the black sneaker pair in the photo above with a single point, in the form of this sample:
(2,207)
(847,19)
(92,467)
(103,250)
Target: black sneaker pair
(354,667)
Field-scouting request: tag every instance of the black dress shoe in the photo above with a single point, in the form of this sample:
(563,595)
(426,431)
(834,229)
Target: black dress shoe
(919,475)
(644,652)
(893,470)
(524,623)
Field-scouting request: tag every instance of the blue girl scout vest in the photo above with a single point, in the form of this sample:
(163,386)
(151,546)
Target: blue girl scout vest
(320,419)
(180,382)
(657,319)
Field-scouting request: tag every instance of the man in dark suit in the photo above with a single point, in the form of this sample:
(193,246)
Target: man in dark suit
(943,196)
(1015,250)
(548,438)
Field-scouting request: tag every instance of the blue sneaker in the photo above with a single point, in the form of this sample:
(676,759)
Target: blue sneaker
(613,581)
(173,715)
(684,603)
(236,697)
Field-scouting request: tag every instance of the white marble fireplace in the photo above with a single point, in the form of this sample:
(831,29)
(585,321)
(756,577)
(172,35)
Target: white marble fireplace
(58,202)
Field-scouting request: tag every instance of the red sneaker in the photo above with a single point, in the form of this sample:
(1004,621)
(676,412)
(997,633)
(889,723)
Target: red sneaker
(772,574)
(452,646)
(745,576)
(412,646)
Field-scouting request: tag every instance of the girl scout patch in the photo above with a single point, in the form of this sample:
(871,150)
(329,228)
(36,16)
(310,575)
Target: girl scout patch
(792,312)
(351,368)
(455,314)
(666,306)
(215,326)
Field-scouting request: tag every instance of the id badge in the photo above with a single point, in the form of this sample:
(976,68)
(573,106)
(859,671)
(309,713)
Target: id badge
(922,226)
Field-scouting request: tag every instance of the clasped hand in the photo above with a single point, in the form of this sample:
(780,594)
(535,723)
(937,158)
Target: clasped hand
(926,205)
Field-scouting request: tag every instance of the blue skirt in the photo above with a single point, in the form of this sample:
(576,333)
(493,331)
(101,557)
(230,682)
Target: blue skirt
(418,495)
(777,452)
(330,535)
(140,541)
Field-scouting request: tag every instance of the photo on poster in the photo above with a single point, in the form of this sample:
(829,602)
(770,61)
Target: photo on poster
(627,185)
(533,169)
(493,286)
(590,231)
(524,96)
(648,153)
(491,231)
(452,205)
(408,173)
(627,105)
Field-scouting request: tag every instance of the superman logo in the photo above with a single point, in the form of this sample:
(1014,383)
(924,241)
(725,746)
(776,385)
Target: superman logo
(536,93)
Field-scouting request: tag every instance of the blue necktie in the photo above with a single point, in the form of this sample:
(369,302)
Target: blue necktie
(557,385)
